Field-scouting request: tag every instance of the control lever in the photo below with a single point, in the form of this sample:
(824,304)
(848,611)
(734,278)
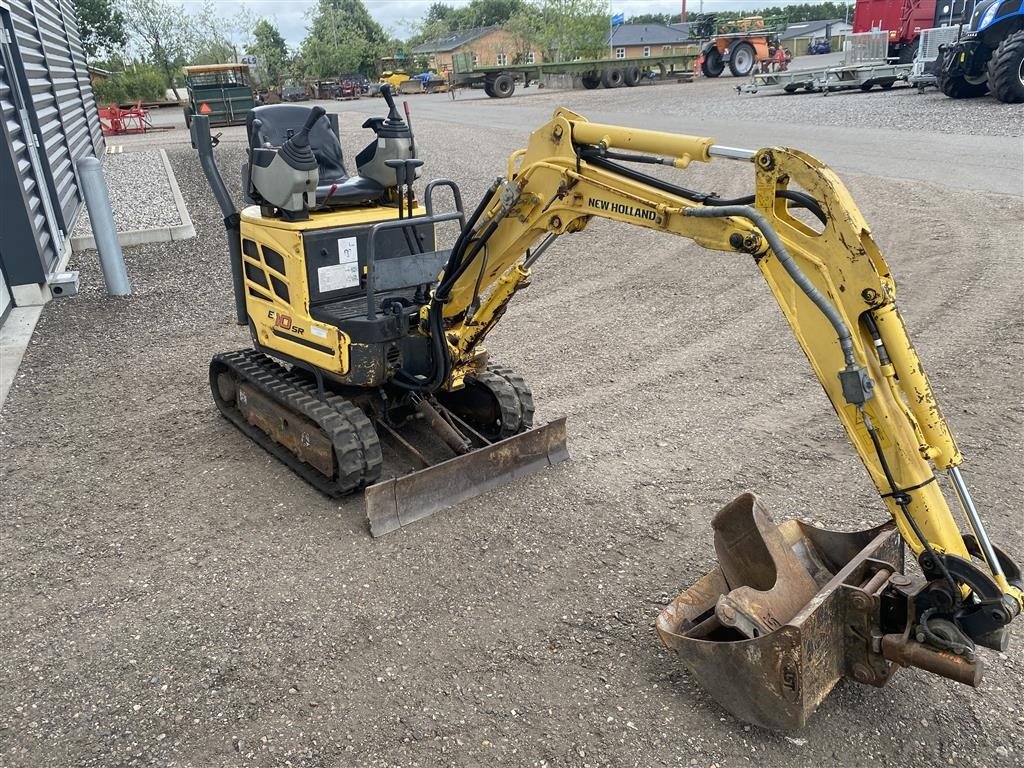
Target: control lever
(393,115)
(405,175)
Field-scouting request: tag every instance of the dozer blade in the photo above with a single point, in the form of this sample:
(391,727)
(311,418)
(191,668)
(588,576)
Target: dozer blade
(395,503)
(787,614)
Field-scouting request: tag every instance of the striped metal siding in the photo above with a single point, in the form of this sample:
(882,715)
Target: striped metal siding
(82,74)
(50,80)
(30,188)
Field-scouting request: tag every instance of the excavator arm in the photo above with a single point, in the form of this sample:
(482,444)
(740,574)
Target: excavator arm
(805,234)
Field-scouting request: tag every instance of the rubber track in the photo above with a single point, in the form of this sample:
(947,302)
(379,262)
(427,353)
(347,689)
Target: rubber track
(508,402)
(357,451)
(523,392)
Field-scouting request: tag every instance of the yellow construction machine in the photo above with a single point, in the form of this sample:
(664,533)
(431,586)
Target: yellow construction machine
(368,339)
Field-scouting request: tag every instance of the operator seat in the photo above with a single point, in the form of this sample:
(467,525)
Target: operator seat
(273,124)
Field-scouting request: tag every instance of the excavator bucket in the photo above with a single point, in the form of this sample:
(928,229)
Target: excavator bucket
(397,502)
(784,616)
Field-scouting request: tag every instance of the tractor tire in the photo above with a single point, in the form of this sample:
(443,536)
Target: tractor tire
(188,117)
(742,59)
(958,87)
(713,64)
(504,86)
(1006,70)
(590,80)
(611,77)
(631,75)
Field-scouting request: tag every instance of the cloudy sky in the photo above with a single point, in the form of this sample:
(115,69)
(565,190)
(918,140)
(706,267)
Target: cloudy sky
(399,16)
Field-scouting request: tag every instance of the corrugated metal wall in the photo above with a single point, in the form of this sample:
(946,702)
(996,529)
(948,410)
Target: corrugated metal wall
(45,94)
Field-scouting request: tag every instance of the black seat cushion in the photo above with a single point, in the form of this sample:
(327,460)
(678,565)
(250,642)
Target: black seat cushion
(275,123)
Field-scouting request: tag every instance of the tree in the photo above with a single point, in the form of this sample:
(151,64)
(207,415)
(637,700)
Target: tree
(573,29)
(101,26)
(162,33)
(270,51)
(342,38)
(524,29)
(219,38)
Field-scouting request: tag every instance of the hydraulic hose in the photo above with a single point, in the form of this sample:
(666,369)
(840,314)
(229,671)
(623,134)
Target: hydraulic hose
(800,199)
(792,268)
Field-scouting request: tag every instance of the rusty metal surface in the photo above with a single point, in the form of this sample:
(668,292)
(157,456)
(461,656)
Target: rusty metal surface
(297,434)
(400,501)
(768,583)
(910,653)
(777,680)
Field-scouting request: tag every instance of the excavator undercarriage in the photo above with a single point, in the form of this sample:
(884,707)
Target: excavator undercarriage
(368,372)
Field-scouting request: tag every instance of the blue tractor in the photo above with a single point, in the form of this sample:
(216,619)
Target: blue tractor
(988,55)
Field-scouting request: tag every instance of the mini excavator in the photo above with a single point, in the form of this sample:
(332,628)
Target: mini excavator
(368,340)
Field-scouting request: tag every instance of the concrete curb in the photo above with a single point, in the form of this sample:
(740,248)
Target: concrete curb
(15,334)
(182,231)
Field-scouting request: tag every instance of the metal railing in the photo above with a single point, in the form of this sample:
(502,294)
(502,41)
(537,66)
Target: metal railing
(417,268)
(866,47)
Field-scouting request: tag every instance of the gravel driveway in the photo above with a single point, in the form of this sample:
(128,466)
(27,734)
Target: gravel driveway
(175,597)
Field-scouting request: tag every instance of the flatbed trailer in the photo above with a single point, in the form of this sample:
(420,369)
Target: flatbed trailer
(864,66)
(828,79)
(500,82)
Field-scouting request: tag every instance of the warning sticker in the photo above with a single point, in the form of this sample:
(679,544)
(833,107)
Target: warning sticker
(204,109)
(338,276)
(344,274)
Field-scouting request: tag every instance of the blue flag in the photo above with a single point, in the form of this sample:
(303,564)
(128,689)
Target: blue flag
(618,18)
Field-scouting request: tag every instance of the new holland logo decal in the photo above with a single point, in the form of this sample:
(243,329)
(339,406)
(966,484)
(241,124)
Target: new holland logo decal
(622,210)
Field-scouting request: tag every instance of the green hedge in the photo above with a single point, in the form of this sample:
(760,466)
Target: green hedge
(138,83)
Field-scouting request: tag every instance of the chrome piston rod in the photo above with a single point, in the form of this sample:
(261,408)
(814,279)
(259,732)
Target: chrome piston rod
(975,521)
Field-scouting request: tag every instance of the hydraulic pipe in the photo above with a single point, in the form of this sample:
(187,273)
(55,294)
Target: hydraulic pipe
(204,145)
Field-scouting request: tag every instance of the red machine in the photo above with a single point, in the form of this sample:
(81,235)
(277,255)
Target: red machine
(116,121)
(902,19)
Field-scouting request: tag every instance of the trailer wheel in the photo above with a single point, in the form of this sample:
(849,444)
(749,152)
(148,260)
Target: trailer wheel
(1006,70)
(631,75)
(742,59)
(713,64)
(188,117)
(611,77)
(504,86)
(590,80)
(909,52)
(489,88)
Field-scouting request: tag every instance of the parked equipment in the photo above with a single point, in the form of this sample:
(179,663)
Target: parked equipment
(864,67)
(365,332)
(221,92)
(115,121)
(740,50)
(988,55)
(902,20)
(925,70)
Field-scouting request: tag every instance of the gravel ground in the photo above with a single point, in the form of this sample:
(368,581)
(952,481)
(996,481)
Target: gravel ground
(175,597)
(140,192)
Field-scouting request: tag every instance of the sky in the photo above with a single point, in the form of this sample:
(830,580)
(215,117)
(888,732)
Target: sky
(400,16)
